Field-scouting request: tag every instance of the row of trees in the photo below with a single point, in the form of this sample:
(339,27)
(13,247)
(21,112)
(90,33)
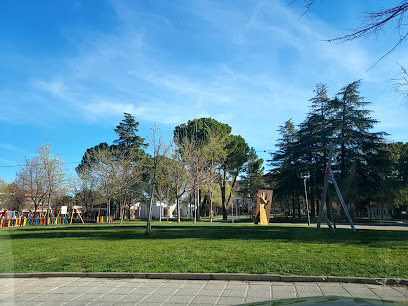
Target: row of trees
(369,169)
(42,180)
(202,164)
(203,160)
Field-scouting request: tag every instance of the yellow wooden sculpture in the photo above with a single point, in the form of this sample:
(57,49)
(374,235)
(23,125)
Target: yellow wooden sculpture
(262,213)
(263,207)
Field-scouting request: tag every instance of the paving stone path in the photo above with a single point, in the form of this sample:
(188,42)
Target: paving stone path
(101,291)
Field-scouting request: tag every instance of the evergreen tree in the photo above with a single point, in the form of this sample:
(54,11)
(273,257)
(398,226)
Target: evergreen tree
(236,156)
(286,172)
(314,134)
(354,140)
(127,131)
(252,180)
(218,146)
(397,178)
(120,169)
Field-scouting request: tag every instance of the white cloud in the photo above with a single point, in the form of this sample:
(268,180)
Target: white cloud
(106,108)
(264,72)
(55,88)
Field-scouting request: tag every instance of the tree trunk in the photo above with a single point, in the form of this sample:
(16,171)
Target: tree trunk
(160,212)
(195,205)
(178,210)
(189,206)
(298,205)
(369,210)
(48,206)
(120,212)
(35,209)
(108,210)
(361,210)
(211,206)
(287,203)
(224,210)
(198,205)
(312,206)
(149,212)
(211,188)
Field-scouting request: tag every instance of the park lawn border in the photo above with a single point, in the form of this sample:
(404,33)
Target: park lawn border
(278,241)
(216,276)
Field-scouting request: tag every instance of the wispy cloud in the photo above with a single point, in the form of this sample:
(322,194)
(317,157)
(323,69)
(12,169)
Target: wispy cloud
(264,72)
(55,88)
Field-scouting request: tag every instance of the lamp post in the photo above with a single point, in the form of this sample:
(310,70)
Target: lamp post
(305,177)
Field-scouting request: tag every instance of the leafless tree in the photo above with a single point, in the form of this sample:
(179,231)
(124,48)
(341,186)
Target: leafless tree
(16,197)
(53,171)
(129,175)
(195,161)
(31,178)
(160,150)
(177,177)
(115,172)
(374,23)
(214,151)
(162,186)
(400,83)
(85,190)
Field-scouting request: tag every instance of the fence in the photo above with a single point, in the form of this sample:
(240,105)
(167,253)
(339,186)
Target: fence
(32,221)
(103,219)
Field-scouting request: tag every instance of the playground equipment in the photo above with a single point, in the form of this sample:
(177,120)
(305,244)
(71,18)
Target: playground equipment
(31,221)
(322,213)
(103,219)
(12,219)
(76,210)
(263,207)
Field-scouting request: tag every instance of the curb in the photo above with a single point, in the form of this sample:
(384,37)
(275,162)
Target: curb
(216,276)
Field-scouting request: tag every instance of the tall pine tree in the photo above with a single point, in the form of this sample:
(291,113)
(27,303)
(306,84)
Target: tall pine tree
(314,135)
(286,170)
(354,140)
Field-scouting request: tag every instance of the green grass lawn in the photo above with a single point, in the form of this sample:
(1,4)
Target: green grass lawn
(204,247)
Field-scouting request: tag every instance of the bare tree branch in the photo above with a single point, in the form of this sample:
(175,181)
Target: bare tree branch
(374,23)
(308,5)
(400,83)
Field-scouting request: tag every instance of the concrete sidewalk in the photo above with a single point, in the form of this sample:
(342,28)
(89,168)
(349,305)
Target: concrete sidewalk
(134,291)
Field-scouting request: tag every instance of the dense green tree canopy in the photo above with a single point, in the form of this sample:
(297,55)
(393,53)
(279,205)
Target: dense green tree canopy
(127,132)
(359,161)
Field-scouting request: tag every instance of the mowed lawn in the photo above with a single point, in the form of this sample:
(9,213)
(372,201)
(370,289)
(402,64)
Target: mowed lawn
(204,247)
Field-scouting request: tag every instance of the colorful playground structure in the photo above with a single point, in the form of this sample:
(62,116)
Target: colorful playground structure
(103,219)
(31,221)
(13,219)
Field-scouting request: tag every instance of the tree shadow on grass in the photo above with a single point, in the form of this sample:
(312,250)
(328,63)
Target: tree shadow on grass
(371,238)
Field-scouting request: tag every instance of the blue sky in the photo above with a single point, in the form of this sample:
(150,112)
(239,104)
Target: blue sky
(69,69)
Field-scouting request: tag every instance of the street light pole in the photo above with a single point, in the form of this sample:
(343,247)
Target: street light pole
(307,202)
